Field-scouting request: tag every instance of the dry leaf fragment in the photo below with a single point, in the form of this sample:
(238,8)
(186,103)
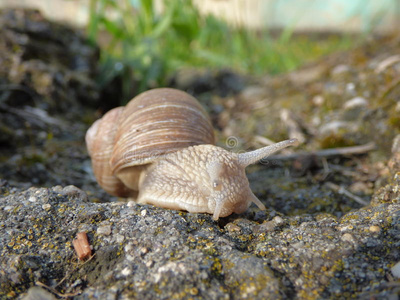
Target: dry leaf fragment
(81,245)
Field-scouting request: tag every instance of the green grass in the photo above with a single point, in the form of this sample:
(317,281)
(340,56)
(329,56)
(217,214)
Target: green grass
(146,48)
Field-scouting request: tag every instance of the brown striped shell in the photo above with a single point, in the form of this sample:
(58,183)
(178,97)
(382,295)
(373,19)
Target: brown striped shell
(100,144)
(158,148)
(126,139)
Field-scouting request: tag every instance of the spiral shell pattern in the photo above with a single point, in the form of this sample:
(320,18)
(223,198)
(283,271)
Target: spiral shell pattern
(158,122)
(100,143)
(152,124)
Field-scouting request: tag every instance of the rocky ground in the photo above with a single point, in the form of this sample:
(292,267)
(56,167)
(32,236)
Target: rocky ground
(332,227)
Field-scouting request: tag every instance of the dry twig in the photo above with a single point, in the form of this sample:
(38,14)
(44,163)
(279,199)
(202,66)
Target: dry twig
(327,152)
(34,116)
(66,295)
(292,125)
(342,190)
(387,62)
(73,270)
(389,89)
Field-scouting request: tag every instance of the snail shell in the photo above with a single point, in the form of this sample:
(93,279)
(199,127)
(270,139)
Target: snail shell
(154,123)
(159,149)
(100,144)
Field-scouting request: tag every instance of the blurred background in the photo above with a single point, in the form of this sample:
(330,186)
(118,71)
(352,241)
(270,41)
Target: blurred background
(144,42)
(356,15)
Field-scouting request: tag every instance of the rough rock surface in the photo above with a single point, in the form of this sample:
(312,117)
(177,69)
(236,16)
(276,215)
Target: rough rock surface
(146,252)
(47,88)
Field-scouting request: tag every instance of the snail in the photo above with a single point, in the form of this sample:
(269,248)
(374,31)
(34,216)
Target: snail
(160,149)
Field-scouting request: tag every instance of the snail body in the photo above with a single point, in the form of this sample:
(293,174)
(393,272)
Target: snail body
(160,150)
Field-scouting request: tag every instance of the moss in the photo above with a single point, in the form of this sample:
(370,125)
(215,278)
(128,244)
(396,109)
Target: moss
(216,267)
(394,121)
(29,160)
(335,141)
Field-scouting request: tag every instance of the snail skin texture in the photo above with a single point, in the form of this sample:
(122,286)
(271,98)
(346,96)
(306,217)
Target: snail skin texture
(159,149)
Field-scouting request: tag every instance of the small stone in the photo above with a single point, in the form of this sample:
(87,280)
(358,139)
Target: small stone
(32,199)
(46,206)
(143,213)
(104,230)
(194,291)
(375,229)
(8,208)
(57,188)
(119,238)
(298,245)
(128,247)
(37,293)
(339,69)
(130,257)
(267,226)
(126,271)
(350,87)
(278,220)
(232,228)
(318,100)
(16,278)
(346,228)
(347,237)
(149,263)
(333,127)
(73,192)
(396,270)
(131,203)
(355,102)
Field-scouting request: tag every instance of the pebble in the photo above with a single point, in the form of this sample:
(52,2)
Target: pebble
(104,230)
(128,247)
(278,220)
(126,271)
(149,263)
(38,293)
(347,237)
(333,127)
(32,199)
(298,245)
(318,100)
(46,206)
(119,238)
(350,87)
(374,229)
(346,228)
(355,102)
(57,188)
(144,250)
(339,69)
(267,226)
(75,193)
(232,228)
(131,203)
(396,270)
